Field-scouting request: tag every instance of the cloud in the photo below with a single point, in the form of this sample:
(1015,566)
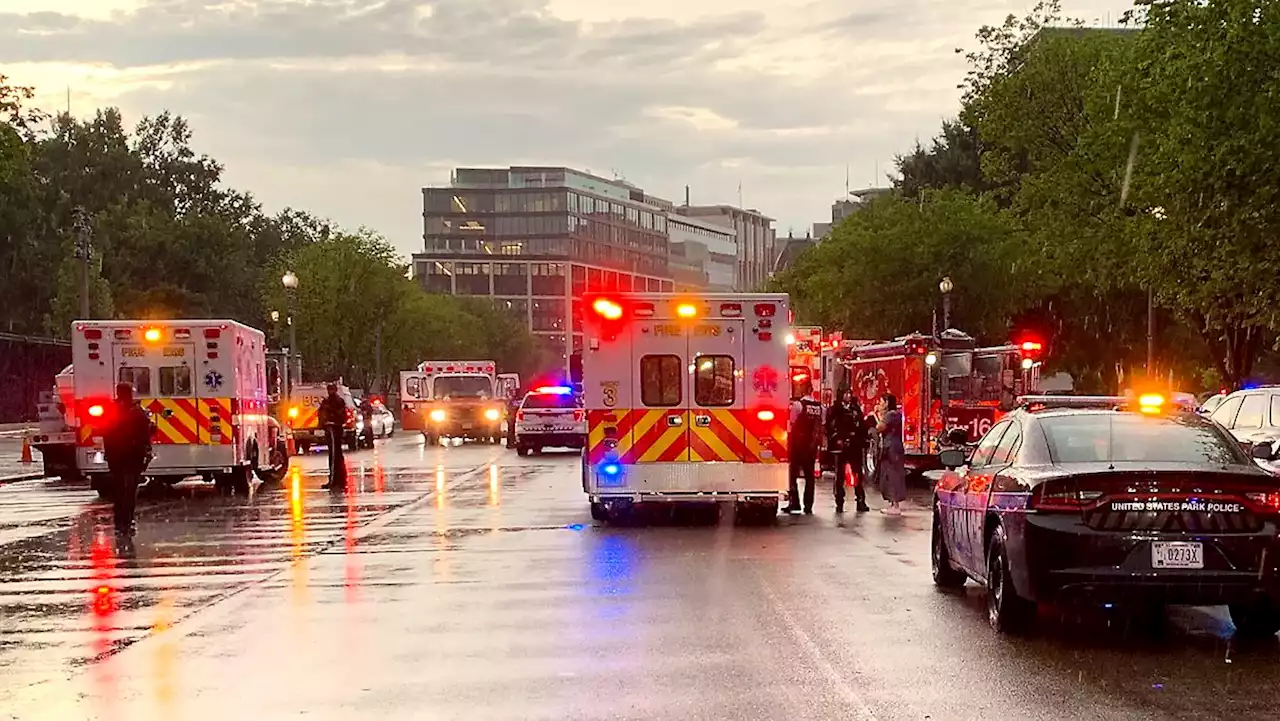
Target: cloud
(346,107)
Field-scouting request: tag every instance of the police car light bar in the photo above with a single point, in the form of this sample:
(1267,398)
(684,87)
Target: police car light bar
(1051,401)
(555,390)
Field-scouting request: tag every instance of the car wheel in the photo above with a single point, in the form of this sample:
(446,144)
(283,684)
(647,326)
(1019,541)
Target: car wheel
(1256,620)
(1006,611)
(944,575)
(599,512)
(522,451)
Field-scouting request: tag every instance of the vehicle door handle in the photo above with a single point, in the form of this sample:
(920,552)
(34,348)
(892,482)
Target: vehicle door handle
(702,421)
(673,421)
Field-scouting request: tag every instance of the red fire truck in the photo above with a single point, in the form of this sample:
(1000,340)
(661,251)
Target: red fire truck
(941,383)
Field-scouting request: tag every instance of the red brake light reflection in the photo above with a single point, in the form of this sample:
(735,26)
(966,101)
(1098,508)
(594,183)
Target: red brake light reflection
(97,410)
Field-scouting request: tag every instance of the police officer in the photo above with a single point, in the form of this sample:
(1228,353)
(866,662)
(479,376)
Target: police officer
(126,445)
(803,439)
(366,413)
(847,439)
(332,416)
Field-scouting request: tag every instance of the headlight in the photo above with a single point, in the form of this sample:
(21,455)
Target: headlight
(438,415)
(493,414)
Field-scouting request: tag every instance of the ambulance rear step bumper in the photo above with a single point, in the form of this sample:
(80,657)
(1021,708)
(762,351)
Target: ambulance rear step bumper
(692,497)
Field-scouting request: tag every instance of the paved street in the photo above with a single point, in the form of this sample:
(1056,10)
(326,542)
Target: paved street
(11,464)
(468,583)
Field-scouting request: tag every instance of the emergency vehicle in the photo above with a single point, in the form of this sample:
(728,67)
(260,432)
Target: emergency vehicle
(55,436)
(303,416)
(415,387)
(203,382)
(941,383)
(804,358)
(687,399)
(550,416)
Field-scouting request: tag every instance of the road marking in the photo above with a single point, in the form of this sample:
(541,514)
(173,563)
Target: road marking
(838,682)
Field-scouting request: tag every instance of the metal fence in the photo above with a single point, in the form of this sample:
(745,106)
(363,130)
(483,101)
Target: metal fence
(27,368)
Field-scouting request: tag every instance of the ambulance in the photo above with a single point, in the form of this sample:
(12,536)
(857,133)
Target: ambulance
(804,356)
(415,388)
(687,400)
(203,382)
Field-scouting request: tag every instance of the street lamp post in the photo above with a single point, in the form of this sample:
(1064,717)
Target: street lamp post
(946,286)
(290,281)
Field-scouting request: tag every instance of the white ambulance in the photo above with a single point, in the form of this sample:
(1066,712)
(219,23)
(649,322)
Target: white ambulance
(687,400)
(203,382)
(416,387)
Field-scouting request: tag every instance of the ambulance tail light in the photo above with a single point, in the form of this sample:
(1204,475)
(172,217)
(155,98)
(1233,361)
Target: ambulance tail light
(97,410)
(123,334)
(182,334)
(212,332)
(765,335)
(765,415)
(731,310)
(93,334)
(766,310)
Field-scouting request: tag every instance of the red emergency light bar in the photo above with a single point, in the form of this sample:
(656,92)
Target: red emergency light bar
(1031,346)
(766,310)
(93,334)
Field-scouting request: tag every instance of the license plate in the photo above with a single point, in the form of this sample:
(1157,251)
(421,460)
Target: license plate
(1177,554)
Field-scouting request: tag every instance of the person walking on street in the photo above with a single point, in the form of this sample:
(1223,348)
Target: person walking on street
(366,414)
(126,447)
(803,440)
(332,415)
(847,439)
(891,471)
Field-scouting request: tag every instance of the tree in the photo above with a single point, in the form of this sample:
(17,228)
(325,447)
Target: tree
(1203,91)
(952,162)
(876,275)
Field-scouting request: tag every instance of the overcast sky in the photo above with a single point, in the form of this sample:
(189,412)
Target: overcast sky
(347,108)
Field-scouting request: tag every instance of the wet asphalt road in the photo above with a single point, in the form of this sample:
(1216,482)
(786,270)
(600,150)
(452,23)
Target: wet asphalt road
(468,583)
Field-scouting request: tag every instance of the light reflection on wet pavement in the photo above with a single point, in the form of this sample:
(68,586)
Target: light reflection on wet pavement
(469,583)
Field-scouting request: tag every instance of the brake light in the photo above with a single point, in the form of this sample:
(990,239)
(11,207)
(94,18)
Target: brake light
(93,334)
(1049,499)
(1265,502)
(97,410)
(766,310)
(519,415)
(765,335)
(212,333)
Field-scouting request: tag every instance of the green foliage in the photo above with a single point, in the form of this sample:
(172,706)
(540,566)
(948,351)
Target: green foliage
(171,240)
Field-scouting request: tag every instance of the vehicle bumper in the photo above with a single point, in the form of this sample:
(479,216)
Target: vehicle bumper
(316,435)
(454,429)
(705,482)
(1066,561)
(558,439)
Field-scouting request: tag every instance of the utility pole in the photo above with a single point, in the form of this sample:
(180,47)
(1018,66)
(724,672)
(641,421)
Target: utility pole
(84,254)
(1151,333)
(377,359)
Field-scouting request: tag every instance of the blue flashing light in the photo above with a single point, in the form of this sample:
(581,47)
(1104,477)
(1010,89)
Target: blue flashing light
(555,390)
(610,473)
(611,469)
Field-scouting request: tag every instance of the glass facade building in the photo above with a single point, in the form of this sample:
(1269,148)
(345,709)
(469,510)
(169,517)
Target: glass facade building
(536,238)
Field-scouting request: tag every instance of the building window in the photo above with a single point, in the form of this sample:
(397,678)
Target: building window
(579,279)
(437,276)
(517,307)
(510,279)
(472,279)
(660,381)
(548,314)
(548,279)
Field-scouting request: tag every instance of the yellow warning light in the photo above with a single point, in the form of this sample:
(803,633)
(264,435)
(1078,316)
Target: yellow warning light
(293,412)
(686,310)
(1150,402)
(152,335)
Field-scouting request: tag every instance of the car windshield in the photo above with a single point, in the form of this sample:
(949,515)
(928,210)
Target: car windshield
(550,400)
(1123,437)
(454,387)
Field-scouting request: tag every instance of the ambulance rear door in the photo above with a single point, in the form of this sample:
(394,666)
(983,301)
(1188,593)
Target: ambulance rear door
(161,371)
(715,420)
(661,391)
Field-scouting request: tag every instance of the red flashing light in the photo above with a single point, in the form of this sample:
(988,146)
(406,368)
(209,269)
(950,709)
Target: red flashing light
(607,309)
(97,410)
(93,334)
(1031,346)
(766,415)
(765,335)
(766,310)
(212,333)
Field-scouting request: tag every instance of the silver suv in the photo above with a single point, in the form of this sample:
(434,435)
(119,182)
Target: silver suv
(1252,416)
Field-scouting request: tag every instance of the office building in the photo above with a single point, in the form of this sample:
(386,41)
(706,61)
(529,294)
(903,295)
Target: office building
(536,238)
(704,255)
(756,240)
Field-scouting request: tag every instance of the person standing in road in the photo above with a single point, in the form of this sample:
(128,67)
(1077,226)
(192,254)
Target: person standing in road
(847,439)
(126,447)
(366,414)
(803,440)
(332,416)
(891,471)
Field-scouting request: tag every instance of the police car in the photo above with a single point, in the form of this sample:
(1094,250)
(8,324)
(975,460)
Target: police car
(1108,501)
(551,416)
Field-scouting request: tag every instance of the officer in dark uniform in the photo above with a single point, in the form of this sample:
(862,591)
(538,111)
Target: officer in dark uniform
(126,447)
(332,416)
(803,440)
(366,413)
(847,439)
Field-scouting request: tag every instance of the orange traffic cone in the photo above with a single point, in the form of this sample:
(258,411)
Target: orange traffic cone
(26,450)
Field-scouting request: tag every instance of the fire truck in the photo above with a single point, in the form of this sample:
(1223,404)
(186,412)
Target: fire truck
(203,382)
(941,383)
(303,416)
(418,396)
(804,359)
(687,400)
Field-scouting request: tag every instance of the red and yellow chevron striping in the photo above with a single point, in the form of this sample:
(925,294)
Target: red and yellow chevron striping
(646,436)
